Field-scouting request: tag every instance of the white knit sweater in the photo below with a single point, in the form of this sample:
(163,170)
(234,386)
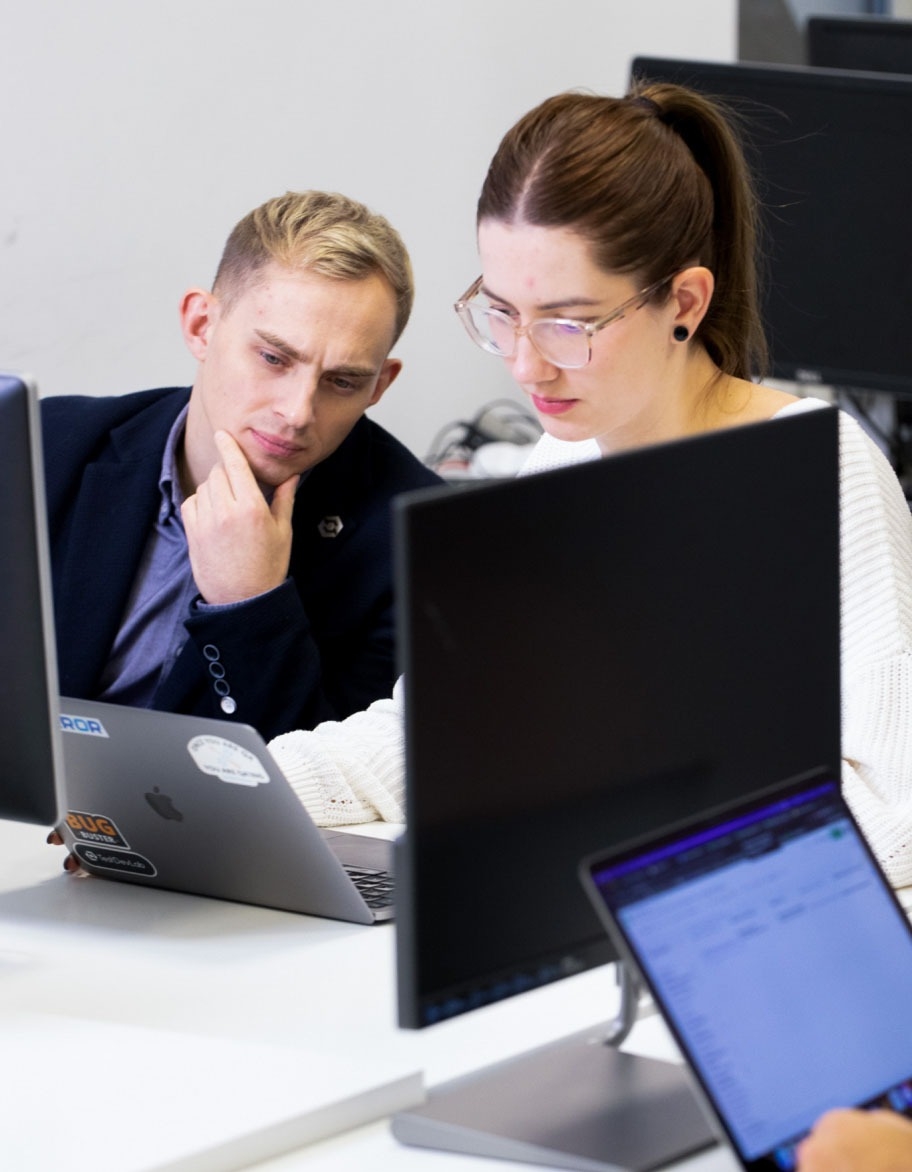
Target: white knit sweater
(353,771)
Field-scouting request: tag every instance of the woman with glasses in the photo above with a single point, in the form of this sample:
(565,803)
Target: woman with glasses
(617,247)
(618,250)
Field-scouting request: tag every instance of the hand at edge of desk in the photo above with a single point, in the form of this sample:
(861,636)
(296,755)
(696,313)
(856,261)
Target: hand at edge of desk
(70,863)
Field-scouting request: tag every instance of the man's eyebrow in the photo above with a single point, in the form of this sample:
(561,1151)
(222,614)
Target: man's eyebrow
(279,344)
(354,371)
(289,351)
(548,306)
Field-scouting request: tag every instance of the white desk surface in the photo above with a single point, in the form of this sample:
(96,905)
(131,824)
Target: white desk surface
(101,950)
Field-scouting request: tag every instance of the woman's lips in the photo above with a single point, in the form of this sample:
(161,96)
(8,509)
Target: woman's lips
(553,406)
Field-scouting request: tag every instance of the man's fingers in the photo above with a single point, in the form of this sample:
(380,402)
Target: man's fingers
(239,477)
(283,499)
(239,545)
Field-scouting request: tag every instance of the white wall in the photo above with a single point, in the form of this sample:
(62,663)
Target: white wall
(133,135)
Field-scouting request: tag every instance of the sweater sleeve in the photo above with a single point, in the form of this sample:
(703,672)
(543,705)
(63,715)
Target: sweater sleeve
(876,597)
(351,770)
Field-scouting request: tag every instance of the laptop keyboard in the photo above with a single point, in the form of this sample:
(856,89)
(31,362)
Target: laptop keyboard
(376,887)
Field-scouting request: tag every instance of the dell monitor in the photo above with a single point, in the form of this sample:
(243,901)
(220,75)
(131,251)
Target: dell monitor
(878,44)
(590,653)
(30,769)
(830,152)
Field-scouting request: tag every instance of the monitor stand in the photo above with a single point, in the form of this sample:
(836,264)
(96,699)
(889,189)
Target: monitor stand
(577,1103)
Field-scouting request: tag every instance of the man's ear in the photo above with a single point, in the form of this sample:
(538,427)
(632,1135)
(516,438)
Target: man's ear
(388,373)
(692,291)
(198,310)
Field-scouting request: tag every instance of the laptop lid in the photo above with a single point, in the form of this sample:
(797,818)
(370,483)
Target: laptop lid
(776,951)
(199,805)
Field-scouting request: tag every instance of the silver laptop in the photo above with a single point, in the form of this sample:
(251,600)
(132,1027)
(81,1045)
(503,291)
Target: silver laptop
(200,806)
(780,958)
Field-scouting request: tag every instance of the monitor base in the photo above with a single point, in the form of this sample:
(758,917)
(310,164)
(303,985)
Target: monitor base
(577,1103)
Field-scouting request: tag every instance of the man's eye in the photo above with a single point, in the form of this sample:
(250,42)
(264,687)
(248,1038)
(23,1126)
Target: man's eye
(340,383)
(271,359)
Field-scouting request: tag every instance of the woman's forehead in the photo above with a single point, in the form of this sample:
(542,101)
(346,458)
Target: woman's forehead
(549,266)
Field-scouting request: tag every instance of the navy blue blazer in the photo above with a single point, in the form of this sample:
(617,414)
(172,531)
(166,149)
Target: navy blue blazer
(319,647)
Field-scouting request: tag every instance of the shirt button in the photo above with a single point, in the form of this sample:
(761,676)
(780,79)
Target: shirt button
(228,705)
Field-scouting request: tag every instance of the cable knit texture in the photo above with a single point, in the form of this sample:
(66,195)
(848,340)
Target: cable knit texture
(354,770)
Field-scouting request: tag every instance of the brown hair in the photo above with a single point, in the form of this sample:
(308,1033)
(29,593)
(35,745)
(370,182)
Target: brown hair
(655,181)
(329,233)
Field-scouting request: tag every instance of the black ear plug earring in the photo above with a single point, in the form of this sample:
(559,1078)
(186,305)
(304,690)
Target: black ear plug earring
(681,333)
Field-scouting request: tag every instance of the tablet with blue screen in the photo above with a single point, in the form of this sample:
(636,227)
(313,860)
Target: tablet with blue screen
(779,956)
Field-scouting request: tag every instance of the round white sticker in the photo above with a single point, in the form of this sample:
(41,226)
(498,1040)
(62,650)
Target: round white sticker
(227,761)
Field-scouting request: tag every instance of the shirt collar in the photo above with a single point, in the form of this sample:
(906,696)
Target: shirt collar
(169,485)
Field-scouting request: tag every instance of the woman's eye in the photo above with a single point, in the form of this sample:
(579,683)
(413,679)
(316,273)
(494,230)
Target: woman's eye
(560,328)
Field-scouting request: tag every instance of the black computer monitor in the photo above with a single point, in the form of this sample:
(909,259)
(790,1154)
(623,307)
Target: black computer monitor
(590,653)
(834,168)
(880,44)
(30,770)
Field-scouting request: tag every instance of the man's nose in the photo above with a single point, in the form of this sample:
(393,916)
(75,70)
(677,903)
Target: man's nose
(296,405)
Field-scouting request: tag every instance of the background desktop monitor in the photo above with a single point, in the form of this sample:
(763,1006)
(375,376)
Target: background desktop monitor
(591,653)
(880,44)
(29,735)
(831,155)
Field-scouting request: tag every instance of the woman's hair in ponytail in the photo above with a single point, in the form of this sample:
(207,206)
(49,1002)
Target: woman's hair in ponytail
(655,181)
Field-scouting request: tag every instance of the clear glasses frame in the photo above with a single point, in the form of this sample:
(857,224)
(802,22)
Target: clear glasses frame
(573,331)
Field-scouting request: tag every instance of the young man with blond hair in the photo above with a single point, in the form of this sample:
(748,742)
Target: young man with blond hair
(224,549)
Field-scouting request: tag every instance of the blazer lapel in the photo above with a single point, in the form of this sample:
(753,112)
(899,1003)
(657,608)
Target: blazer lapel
(115,509)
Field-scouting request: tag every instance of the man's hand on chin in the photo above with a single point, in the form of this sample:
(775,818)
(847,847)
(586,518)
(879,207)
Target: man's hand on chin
(239,544)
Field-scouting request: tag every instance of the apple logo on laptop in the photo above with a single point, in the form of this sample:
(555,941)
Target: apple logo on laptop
(163,806)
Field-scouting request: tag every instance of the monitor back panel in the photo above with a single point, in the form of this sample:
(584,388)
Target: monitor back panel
(30,772)
(588,651)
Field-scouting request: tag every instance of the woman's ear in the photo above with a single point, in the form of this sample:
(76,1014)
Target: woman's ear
(691,293)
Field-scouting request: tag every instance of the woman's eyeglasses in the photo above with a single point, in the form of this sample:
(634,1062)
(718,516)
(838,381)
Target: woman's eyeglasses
(562,341)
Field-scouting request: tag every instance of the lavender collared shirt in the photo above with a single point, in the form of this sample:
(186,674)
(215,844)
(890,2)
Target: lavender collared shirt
(152,627)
